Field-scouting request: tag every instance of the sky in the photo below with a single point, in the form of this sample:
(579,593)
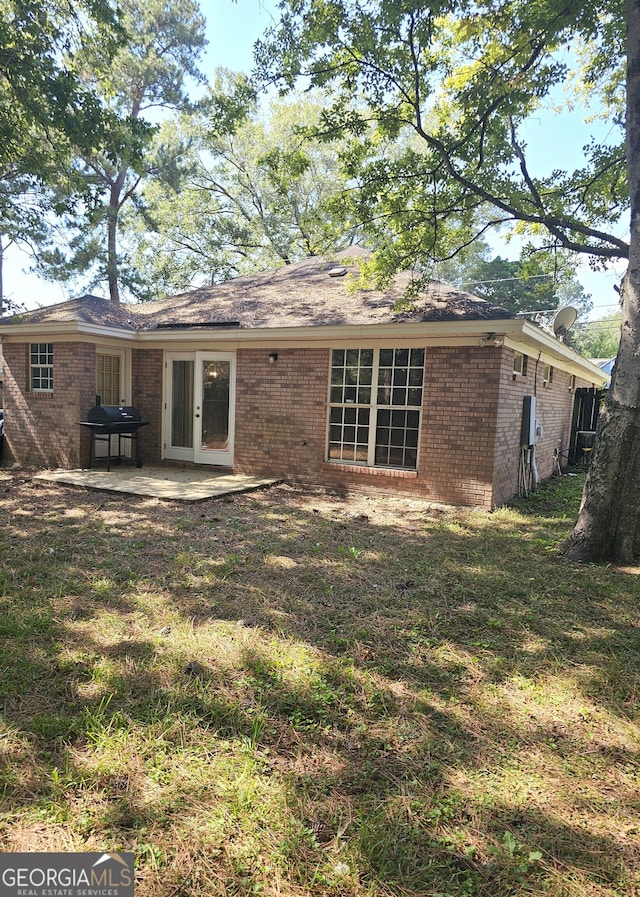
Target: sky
(232,29)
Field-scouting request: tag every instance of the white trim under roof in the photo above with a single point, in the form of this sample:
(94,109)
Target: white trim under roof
(516,333)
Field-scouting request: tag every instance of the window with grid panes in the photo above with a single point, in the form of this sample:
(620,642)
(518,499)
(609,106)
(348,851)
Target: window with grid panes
(41,367)
(375,399)
(108,379)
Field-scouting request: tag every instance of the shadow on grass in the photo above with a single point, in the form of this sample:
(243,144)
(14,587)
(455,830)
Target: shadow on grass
(279,689)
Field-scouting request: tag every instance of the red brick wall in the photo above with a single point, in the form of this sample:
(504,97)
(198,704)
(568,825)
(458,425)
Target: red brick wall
(42,428)
(281,413)
(460,408)
(508,429)
(146,396)
(470,434)
(281,424)
(554,406)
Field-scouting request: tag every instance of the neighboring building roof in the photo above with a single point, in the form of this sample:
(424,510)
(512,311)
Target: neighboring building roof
(314,292)
(606,364)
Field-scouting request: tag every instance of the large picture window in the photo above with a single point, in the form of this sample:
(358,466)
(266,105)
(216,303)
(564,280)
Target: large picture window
(41,367)
(375,399)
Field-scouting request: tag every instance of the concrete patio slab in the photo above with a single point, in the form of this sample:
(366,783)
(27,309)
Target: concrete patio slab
(158,482)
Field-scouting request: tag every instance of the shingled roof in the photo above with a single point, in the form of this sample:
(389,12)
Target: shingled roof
(311,293)
(85,309)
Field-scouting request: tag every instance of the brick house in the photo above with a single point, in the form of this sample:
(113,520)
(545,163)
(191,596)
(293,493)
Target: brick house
(297,373)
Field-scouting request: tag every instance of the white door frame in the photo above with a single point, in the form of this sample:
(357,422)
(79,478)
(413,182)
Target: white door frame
(195,453)
(175,453)
(219,457)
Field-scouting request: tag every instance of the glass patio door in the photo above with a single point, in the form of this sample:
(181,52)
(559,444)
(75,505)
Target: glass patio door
(179,444)
(201,407)
(214,407)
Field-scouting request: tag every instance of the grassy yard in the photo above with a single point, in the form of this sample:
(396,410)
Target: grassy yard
(295,694)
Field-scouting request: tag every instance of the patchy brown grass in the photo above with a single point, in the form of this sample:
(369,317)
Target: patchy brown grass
(296,694)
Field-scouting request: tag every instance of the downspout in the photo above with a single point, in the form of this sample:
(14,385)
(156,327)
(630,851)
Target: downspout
(535,478)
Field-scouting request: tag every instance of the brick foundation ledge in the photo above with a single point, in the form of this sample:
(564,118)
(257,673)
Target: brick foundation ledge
(335,466)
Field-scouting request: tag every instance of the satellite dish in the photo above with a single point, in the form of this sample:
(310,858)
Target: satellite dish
(564,321)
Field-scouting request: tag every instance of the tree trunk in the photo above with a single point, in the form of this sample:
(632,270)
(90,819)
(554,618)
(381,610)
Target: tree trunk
(1,277)
(112,246)
(608,526)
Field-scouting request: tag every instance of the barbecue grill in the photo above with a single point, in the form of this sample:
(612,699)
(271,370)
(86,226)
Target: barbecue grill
(107,421)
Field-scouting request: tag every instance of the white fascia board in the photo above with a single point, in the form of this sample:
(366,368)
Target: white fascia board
(517,333)
(300,336)
(73,330)
(534,341)
(433,331)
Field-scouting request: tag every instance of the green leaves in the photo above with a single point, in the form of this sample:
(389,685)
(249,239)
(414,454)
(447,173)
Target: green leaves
(453,87)
(537,281)
(45,108)
(239,189)
(599,338)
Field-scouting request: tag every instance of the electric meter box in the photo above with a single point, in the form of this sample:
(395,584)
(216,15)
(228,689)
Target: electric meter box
(528,434)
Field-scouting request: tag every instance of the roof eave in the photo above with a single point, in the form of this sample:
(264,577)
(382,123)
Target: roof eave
(515,332)
(551,347)
(62,328)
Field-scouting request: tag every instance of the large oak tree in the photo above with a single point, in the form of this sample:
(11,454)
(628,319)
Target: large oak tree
(238,188)
(609,523)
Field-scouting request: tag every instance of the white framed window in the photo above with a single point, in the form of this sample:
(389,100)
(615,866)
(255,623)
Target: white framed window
(547,374)
(375,403)
(41,367)
(519,364)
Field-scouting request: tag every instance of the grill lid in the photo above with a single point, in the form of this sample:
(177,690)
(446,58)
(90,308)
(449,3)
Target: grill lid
(113,414)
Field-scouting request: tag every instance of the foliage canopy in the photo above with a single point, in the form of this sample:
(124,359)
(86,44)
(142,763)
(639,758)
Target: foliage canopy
(164,40)
(463,80)
(238,188)
(47,110)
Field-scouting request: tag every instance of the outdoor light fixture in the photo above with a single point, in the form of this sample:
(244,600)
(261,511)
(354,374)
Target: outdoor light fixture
(273,357)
